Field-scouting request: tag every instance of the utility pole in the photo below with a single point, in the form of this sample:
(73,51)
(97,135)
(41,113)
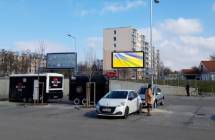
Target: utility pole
(151,41)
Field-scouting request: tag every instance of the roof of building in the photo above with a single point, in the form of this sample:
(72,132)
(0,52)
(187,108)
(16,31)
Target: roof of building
(209,65)
(190,71)
(114,28)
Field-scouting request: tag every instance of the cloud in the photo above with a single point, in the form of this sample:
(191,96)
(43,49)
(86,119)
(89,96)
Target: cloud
(157,34)
(33,46)
(94,42)
(86,12)
(213,7)
(122,6)
(93,48)
(182,26)
(180,43)
(199,41)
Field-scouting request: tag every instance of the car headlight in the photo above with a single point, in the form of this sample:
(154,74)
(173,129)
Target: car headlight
(97,105)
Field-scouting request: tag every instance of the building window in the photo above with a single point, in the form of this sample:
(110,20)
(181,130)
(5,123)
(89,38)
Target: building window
(114,45)
(114,31)
(114,38)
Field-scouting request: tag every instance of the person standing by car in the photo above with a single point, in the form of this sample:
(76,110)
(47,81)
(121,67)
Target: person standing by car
(149,98)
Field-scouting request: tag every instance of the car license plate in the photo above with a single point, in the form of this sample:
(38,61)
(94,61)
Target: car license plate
(106,109)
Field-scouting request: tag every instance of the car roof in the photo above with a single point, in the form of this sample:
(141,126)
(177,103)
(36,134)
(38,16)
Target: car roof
(123,90)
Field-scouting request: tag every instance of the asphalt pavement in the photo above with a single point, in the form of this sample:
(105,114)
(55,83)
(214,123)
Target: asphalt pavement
(181,118)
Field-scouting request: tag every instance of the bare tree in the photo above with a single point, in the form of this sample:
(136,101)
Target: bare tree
(25,61)
(15,62)
(212,57)
(7,63)
(38,56)
(90,58)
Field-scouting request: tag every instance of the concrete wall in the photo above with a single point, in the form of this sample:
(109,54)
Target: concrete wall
(114,84)
(66,88)
(4,88)
(168,90)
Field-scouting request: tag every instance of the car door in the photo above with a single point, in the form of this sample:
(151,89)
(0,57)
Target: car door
(132,102)
(136,101)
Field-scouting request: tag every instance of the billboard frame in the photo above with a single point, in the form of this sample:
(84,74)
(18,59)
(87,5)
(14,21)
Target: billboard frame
(62,67)
(126,52)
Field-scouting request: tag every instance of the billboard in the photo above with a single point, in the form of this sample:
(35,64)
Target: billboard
(61,60)
(131,59)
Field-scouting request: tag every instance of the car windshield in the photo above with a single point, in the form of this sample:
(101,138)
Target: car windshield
(117,95)
(142,90)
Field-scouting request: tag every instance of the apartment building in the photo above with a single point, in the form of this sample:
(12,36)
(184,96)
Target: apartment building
(128,39)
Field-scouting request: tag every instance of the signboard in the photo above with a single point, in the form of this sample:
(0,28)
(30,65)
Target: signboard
(56,82)
(61,60)
(131,59)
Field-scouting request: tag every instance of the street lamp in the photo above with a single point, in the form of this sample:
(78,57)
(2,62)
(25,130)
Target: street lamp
(73,37)
(151,45)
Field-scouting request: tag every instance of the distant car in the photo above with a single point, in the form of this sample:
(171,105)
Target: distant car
(133,77)
(159,96)
(119,103)
(111,74)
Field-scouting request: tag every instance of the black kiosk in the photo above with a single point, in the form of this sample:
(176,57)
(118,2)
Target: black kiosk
(78,86)
(22,87)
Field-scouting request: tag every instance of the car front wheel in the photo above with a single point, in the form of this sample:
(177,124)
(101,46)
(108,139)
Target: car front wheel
(162,102)
(126,113)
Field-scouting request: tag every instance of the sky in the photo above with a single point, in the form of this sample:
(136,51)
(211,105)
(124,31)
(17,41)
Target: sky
(183,30)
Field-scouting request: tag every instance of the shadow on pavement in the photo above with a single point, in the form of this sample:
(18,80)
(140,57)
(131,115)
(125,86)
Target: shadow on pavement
(93,115)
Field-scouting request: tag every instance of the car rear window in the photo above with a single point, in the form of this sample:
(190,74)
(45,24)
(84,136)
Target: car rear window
(117,95)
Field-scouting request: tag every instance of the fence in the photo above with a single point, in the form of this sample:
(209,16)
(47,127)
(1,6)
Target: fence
(206,87)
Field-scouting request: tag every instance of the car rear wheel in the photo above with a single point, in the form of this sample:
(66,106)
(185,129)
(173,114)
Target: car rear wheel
(162,102)
(139,109)
(126,113)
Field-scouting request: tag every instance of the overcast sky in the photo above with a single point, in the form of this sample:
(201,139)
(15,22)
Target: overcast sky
(183,30)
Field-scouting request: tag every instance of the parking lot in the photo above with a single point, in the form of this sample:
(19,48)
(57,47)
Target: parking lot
(180,118)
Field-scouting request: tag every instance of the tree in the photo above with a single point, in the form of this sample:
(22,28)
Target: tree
(195,69)
(212,57)
(7,63)
(90,60)
(164,71)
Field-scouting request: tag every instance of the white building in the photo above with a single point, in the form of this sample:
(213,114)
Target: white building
(127,39)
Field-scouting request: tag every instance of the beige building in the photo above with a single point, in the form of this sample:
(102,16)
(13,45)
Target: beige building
(12,62)
(126,39)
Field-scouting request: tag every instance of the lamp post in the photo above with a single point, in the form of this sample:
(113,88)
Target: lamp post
(151,44)
(74,38)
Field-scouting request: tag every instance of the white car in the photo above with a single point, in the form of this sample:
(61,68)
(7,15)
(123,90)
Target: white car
(119,103)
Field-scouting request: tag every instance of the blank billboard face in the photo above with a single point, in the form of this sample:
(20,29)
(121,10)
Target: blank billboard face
(61,60)
(127,60)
